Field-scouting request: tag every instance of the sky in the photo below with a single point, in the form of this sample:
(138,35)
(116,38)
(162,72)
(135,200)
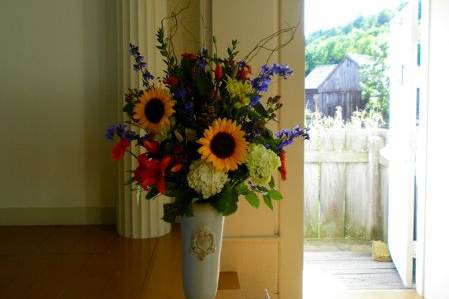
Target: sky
(325,14)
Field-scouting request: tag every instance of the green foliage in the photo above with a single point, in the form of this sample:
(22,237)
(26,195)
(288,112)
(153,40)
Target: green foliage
(268,201)
(359,119)
(376,84)
(152,192)
(274,194)
(252,199)
(227,200)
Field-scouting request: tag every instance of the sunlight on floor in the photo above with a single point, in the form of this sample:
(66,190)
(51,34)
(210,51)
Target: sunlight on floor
(320,285)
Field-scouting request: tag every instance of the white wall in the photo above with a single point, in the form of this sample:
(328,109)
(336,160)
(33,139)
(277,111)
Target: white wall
(436,275)
(57,94)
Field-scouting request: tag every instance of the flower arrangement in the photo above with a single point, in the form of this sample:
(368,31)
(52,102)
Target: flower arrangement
(201,130)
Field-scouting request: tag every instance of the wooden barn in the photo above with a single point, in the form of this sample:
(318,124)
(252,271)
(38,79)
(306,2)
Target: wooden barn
(329,86)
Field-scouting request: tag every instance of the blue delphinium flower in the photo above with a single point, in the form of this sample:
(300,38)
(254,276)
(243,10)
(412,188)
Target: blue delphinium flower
(180,93)
(147,76)
(255,99)
(188,111)
(110,132)
(140,65)
(287,136)
(189,106)
(122,132)
(201,62)
(282,70)
(261,83)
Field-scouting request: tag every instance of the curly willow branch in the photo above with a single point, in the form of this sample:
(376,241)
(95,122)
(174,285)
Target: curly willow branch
(262,44)
(173,18)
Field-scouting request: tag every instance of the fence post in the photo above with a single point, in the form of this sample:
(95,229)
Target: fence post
(375,143)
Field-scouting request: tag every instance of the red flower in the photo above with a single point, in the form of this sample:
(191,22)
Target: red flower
(244,72)
(189,56)
(171,81)
(283,167)
(218,72)
(120,148)
(151,146)
(176,168)
(151,172)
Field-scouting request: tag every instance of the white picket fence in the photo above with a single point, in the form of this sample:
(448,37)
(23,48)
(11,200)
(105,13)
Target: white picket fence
(346,184)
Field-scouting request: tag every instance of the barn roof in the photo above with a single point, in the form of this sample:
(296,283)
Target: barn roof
(318,75)
(360,59)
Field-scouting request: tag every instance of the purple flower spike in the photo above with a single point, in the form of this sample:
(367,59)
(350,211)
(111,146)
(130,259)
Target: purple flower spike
(140,65)
(261,83)
(287,136)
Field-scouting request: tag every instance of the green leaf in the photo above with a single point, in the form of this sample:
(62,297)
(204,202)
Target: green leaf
(152,192)
(179,136)
(170,212)
(272,184)
(252,199)
(242,188)
(274,194)
(261,110)
(267,200)
(171,189)
(227,201)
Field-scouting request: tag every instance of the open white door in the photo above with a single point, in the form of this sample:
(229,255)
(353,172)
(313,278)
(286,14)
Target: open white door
(402,145)
(436,262)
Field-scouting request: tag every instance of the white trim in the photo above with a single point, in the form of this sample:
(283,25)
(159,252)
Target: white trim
(422,155)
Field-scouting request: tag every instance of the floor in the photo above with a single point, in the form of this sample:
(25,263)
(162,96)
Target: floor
(65,262)
(346,269)
(85,262)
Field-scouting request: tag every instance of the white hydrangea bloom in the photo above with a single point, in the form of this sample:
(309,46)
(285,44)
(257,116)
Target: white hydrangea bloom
(261,163)
(205,179)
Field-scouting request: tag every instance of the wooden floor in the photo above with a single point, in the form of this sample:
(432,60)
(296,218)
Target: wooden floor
(347,270)
(92,262)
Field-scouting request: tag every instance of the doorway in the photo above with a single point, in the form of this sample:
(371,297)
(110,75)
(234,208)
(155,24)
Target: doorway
(363,94)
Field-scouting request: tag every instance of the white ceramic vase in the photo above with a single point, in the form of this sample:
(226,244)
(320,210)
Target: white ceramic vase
(202,237)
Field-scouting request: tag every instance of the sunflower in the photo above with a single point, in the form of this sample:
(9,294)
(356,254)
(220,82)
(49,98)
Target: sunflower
(154,109)
(224,145)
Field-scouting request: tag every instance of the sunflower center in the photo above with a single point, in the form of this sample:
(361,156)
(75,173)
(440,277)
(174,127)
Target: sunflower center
(222,145)
(154,110)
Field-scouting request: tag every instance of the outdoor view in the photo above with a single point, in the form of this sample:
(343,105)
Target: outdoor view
(361,90)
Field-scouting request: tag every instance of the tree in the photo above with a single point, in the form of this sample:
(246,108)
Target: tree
(358,23)
(384,17)
(375,84)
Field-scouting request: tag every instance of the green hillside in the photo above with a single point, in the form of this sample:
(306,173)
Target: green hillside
(365,35)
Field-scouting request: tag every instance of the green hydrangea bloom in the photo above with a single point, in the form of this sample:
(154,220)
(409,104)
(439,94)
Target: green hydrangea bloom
(239,90)
(205,179)
(262,163)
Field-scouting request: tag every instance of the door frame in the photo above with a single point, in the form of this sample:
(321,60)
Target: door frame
(421,156)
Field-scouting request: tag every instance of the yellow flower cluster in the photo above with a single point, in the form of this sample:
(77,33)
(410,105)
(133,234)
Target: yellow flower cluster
(239,90)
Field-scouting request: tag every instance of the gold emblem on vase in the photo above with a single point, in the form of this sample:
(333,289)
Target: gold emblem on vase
(202,243)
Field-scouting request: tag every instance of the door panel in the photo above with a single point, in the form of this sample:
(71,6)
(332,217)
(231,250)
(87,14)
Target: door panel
(402,148)
(436,262)
(265,246)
